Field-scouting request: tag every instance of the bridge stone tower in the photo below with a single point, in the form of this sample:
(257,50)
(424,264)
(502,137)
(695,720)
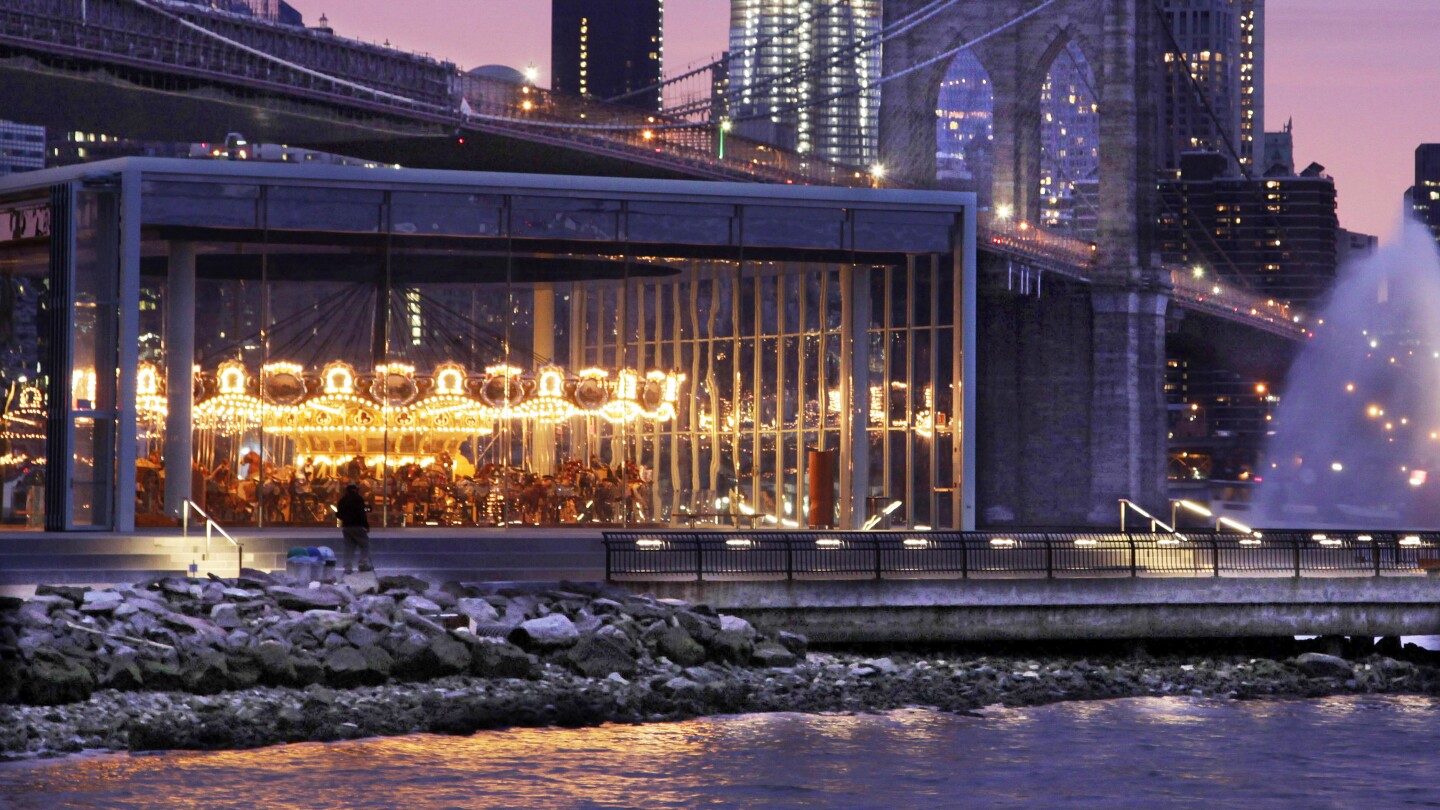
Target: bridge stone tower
(1111,436)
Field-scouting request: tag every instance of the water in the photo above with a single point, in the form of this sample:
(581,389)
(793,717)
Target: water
(1342,752)
(1357,442)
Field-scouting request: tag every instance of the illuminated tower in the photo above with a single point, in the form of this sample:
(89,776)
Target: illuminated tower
(803,73)
(608,49)
(1214,79)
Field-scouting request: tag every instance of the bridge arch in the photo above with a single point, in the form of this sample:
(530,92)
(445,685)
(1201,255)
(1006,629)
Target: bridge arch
(965,127)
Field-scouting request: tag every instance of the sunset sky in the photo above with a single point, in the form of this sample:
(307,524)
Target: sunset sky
(1359,77)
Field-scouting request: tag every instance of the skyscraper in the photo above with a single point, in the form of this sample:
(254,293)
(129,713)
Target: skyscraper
(608,49)
(802,76)
(1214,79)
(22,147)
(1425,195)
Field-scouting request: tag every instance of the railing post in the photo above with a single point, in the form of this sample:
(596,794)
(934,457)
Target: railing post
(1134,557)
(608,572)
(789,559)
(1375,552)
(964,558)
(699,558)
(875,541)
(1296,543)
(1215,552)
(1049,558)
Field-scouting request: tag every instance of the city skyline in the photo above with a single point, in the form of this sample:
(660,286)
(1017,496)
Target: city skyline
(1311,73)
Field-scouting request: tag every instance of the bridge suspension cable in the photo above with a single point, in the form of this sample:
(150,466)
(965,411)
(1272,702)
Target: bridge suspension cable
(205,32)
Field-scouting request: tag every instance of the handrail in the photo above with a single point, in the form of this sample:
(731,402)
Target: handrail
(1154,521)
(210,528)
(849,554)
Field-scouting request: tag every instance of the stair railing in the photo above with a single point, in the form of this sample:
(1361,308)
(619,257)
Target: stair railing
(210,528)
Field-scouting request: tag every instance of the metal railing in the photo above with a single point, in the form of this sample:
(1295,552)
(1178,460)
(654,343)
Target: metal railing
(816,555)
(210,528)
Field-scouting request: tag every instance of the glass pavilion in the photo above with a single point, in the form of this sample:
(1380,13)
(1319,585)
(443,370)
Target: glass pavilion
(480,349)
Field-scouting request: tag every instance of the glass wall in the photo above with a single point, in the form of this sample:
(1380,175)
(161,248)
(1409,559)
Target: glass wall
(477,359)
(24,360)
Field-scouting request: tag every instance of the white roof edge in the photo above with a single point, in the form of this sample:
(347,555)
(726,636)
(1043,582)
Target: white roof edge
(494,182)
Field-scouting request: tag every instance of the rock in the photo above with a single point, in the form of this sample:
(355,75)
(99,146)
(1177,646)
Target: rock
(597,656)
(74,594)
(702,629)
(276,668)
(501,659)
(362,582)
(772,654)
(885,666)
(54,682)
(160,675)
(419,604)
(549,632)
(439,656)
(101,601)
(205,673)
(329,621)
(677,645)
(683,687)
(1321,665)
(794,642)
(441,598)
(735,624)
(292,598)
(362,636)
(225,615)
(123,674)
(403,583)
(479,611)
(347,667)
(251,578)
(731,646)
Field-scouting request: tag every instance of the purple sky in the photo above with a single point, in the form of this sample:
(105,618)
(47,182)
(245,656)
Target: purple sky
(1359,77)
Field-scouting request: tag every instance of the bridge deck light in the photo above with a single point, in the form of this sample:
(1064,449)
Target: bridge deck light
(1410,540)
(1003,211)
(1364,538)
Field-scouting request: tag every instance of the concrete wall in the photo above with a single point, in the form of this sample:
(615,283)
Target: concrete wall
(911,611)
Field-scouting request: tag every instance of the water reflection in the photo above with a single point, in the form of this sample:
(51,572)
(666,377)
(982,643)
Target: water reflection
(1145,752)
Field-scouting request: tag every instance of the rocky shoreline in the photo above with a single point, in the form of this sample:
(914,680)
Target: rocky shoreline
(221,664)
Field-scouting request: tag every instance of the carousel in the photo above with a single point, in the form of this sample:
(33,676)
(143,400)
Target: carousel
(447,447)
(22,455)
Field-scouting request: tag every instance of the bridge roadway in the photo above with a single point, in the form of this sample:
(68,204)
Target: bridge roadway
(151,70)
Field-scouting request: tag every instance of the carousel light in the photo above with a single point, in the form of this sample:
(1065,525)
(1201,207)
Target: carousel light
(339,379)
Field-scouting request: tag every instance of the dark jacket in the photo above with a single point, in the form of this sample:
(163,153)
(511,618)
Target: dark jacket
(351,510)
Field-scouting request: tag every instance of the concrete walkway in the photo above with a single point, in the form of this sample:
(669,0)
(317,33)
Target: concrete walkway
(435,553)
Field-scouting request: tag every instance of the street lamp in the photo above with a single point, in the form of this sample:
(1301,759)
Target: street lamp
(724,128)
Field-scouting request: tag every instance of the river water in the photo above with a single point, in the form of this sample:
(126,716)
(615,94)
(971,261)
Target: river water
(1344,752)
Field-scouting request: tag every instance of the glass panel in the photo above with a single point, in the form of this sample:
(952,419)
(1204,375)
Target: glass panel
(24,366)
(793,227)
(441,213)
(908,231)
(92,482)
(323,209)
(211,205)
(680,223)
(564,218)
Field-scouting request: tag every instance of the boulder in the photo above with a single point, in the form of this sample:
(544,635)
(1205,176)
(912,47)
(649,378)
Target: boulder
(491,658)
(101,601)
(735,624)
(403,582)
(677,645)
(74,594)
(53,682)
(772,654)
(549,632)
(205,673)
(276,668)
(597,656)
(292,598)
(347,667)
(794,642)
(479,611)
(226,615)
(439,656)
(700,628)
(161,676)
(362,636)
(123,674)
(362,582)
(732,646)
(419,604)
(1320,665)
